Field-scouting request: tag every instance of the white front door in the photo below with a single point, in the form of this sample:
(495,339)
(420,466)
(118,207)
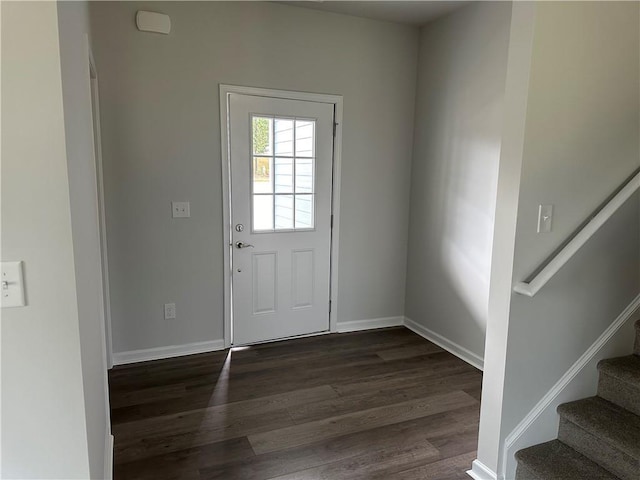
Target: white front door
(281,155)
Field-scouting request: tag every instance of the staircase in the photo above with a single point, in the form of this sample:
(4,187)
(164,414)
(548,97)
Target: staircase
(598,437)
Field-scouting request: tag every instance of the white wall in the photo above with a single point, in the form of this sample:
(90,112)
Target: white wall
(161,142)
(54,396)
(73,19)
(580,142)
(500,291)
(585,76)
(43,413)
(458,127)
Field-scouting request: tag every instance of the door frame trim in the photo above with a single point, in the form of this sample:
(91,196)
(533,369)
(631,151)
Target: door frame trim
(225,157)
(102,219)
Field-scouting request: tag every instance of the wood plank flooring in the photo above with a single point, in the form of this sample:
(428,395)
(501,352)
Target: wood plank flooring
(380,404)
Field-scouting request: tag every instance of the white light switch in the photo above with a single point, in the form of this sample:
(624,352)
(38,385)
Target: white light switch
(180,209)
(12,285)
(545,216)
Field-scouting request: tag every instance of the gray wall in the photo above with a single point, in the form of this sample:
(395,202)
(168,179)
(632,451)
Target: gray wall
(43,412)
(581,141)
(458,127)
(161,142)
(73,22)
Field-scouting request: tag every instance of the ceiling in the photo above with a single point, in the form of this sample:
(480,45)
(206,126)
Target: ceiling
(415,13)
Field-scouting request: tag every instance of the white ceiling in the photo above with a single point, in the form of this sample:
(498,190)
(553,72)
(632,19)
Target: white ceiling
(415,13)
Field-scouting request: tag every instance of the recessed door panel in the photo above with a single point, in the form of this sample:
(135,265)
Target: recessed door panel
(303,273)
(264,282)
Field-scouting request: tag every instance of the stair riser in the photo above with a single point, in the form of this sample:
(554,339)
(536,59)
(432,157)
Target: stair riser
(523,473)
(626,395)
(636,348)
(605,455)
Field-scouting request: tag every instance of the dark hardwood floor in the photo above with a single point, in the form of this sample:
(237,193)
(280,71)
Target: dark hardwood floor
(381,404)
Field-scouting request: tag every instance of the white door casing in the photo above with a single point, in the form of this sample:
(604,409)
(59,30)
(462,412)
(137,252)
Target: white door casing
(281,165)
(105,299)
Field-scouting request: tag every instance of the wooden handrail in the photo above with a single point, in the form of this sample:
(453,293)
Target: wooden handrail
(563,256)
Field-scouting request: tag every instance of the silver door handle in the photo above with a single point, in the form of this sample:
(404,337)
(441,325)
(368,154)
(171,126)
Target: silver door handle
(243,245)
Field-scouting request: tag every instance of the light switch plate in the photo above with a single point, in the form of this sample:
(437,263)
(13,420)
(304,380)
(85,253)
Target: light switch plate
(12,286)
(180,209)
(545,217)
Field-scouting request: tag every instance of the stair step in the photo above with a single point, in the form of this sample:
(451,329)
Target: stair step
(636,349)
(620,382)
(606,433)
(556,461)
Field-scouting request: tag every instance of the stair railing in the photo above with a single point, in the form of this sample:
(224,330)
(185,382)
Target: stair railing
(562,256)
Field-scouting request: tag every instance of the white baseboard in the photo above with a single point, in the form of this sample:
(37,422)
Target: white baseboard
(451,347)
(562,391)
(157,353)
(479,471)
(108,457)
(370,323)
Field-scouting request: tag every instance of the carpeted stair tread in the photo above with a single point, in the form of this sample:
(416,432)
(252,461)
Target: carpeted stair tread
(625,369)
(555,461)
(611,423)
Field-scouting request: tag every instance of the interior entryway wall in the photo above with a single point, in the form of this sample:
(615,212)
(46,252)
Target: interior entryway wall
(426,123)
(458,131)
(161,143)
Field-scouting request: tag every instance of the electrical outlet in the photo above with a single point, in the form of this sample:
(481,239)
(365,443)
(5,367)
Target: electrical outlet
(180,209)
(169,311)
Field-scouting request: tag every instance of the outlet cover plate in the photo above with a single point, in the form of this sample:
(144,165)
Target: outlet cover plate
(169,311)
(180,209)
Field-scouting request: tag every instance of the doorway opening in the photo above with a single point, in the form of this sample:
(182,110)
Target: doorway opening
(281,189)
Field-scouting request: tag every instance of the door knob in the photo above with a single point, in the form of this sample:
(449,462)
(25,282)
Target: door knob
(243,245)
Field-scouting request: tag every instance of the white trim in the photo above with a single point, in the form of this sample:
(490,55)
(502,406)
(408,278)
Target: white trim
(337,101)
(157,353)
(226,213)
(531,288)
(108,457)
(369,324)
(479,471)
(335,211)
(451,347)
(105,298)
(286,94)
(102,227)
(566,379)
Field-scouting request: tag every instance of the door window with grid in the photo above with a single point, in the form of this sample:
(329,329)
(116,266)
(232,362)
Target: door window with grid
(282,173)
